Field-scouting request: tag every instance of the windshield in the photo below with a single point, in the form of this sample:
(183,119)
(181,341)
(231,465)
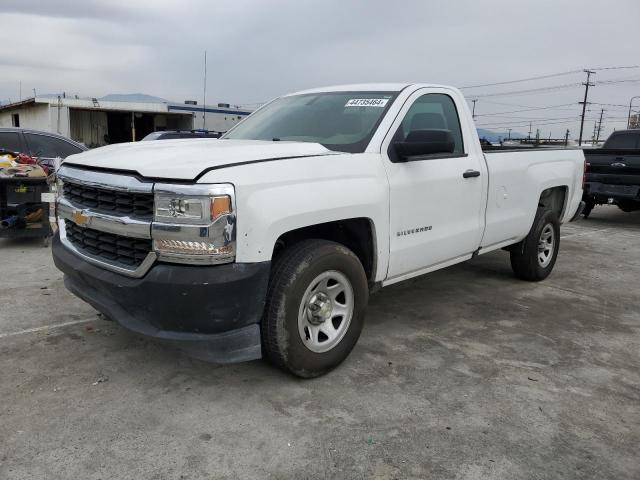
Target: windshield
(342,121)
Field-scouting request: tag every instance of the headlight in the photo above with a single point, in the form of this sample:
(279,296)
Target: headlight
(194,223)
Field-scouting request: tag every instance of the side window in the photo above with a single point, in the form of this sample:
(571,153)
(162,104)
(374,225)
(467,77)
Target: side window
(433,111)
(50,147)
(10,141)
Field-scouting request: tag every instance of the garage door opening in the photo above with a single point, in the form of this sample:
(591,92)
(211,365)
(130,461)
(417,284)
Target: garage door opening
(128,126)
(96,128)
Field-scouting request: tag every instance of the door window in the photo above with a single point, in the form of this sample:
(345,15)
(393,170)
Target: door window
(433,111)
(10,141)
(50,147)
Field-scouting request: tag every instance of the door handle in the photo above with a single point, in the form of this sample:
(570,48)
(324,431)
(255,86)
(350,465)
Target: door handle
(471,174)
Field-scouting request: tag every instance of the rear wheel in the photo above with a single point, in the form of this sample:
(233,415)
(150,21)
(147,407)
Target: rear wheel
(588,206)
(315,307)
(534,258)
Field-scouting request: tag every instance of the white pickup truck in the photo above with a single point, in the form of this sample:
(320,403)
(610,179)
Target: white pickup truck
(268,241)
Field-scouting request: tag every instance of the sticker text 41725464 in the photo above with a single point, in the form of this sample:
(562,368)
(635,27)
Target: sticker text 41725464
(367,102)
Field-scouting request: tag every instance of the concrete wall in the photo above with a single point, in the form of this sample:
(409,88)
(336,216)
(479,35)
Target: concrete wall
(35,116)
(59,120)
(219,122)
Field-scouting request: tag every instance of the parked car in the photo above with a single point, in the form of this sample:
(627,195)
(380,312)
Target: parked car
(175,134)
(43,146)
(269,241)
(613,172)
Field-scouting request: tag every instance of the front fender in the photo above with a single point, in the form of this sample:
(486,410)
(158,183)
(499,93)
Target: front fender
(276,197)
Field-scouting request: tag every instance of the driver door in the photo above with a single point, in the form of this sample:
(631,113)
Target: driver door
(437,201)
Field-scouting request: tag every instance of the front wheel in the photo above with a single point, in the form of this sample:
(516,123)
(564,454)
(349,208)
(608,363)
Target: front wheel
(533,258)
(315,307)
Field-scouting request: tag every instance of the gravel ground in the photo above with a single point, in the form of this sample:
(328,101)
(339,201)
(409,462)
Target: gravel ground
(466,373)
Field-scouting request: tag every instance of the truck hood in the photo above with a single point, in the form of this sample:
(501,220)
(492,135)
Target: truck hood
(187,159)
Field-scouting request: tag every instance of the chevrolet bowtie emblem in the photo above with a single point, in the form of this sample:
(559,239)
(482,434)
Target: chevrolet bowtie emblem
(80,218)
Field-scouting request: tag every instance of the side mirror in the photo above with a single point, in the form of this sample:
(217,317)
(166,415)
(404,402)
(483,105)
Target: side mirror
(424,142)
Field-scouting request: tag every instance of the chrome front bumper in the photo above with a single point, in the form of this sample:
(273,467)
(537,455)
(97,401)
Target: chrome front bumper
(141,227)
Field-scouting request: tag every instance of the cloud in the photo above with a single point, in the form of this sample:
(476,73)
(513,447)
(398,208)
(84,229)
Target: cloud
(257,50)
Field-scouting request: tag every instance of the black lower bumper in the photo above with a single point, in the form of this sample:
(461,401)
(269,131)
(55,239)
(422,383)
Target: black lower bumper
(601,192)
(212,312)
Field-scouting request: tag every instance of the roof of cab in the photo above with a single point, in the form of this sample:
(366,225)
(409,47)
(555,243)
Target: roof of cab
(367,87)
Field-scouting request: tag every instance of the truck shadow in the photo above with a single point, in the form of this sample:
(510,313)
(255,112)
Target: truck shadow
(611,216)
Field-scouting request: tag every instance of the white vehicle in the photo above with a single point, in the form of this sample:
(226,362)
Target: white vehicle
(268,241)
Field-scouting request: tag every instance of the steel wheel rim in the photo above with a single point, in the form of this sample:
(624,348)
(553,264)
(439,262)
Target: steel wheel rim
(546,245)
(325,311)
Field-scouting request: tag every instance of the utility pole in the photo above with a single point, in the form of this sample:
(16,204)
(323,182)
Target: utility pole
(593,137)
(529,137)
(587,84)
(566,138)
(204,94)
(537,136)
(509,134)
(473,112)
(599,125)
(629,116)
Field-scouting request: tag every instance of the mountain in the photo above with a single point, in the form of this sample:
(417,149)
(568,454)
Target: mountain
(497,136)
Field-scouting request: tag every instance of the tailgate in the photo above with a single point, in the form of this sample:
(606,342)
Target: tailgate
(613,167)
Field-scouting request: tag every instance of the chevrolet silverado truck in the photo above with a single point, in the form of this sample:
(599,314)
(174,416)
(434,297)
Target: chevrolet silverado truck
(613,172)
(268,242)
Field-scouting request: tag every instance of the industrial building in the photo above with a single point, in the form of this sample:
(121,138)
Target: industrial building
(98,122)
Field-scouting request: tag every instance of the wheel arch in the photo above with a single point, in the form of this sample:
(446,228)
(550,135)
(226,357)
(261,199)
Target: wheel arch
(357,234)
(555,198)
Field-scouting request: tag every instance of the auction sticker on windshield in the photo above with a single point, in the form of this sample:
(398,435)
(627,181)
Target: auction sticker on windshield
(367,102)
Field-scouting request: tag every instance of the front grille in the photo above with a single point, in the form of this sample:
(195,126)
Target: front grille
(126,251)
(112,201)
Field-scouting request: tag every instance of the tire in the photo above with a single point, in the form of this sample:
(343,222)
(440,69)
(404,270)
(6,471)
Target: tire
(588,207)
(629,206)
(528,261)
(316,286)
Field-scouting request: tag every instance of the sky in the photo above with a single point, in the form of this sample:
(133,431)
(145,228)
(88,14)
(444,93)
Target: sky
(257,50)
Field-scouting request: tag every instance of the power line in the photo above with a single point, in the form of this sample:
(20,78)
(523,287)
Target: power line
(538,121)
(610,105)
(619,80)
(540,77)
(616,68)
(527,124)
(550,107)
(529,91)
(551,75)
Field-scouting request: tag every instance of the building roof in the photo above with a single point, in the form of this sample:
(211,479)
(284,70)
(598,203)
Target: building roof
(142,107)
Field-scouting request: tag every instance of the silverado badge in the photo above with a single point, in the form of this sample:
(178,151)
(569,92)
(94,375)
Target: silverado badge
(411,231)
